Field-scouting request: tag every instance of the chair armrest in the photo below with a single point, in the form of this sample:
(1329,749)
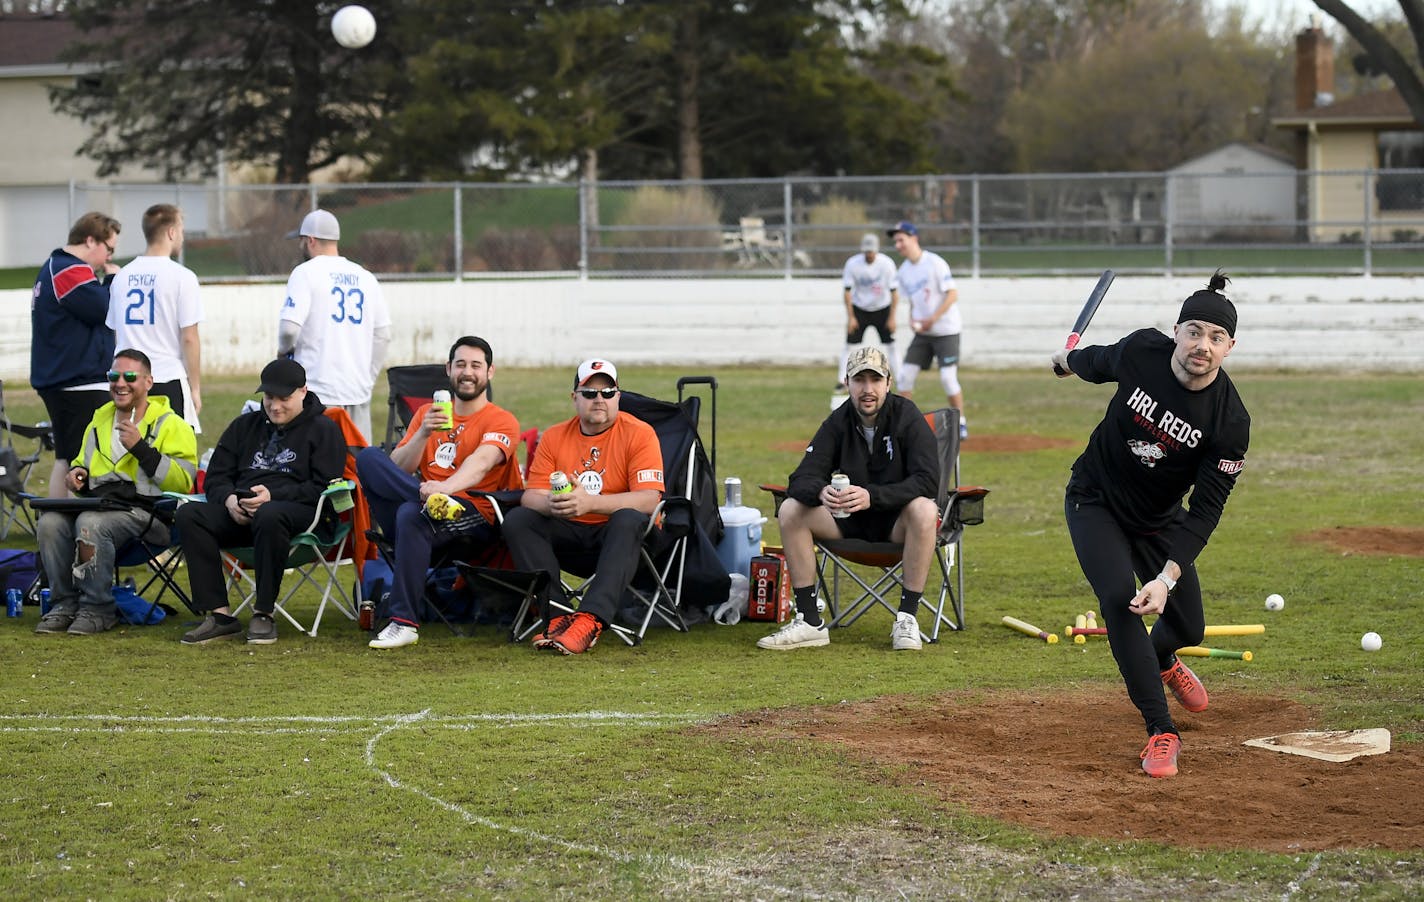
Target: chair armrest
(182,498)
(502,500)
(778,495)
(965,507)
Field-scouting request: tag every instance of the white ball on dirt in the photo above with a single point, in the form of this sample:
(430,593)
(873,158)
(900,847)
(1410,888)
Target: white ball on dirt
(353,26)
(1371,641)
(1274,602)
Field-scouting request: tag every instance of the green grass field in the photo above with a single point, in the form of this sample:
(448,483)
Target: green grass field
(134,767)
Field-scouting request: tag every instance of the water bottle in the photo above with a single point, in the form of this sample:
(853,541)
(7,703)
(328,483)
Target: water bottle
(14,603)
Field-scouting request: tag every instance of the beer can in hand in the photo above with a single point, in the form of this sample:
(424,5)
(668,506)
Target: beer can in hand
(559,483)
(840,482)
(441,401)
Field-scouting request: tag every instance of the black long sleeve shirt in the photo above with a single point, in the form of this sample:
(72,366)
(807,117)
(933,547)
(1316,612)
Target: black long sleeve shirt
(1159,439)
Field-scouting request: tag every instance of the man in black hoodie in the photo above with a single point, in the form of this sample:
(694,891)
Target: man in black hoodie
(263,483)
(883,445)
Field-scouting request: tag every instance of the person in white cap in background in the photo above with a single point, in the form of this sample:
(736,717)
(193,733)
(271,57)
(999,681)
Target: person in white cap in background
(871,294)
(334,322)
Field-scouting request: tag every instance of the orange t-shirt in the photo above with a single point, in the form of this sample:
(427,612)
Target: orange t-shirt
(445,451)
(626,457)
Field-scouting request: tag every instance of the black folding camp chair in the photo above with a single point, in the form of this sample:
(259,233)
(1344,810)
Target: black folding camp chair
(959,506)
(16,468)
(410,388)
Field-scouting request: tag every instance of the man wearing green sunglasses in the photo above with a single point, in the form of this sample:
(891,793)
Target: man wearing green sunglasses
(134,449)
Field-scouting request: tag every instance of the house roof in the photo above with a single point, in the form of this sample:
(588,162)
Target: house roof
(1377,108)
(29,41)
(1260,150)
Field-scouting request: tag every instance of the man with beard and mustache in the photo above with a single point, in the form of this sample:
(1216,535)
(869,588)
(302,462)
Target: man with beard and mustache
(334,322)
(883,444)
(472,450)
(1175,423)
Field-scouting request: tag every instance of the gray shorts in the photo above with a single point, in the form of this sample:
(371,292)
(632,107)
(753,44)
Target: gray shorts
(926,348)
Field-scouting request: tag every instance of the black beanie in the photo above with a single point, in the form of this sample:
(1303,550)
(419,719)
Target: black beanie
(1211,306)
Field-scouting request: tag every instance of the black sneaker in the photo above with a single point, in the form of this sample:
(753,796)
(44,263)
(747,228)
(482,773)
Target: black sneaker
(262,630)
(210,630)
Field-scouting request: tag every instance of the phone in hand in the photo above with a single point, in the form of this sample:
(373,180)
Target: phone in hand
(244,494)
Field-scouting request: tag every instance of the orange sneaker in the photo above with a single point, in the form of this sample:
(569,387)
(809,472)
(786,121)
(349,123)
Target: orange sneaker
(1159,758)
(577,637)
(1185,686)
(556,625)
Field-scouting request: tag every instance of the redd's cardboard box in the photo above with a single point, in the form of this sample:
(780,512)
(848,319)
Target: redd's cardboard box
(770,590)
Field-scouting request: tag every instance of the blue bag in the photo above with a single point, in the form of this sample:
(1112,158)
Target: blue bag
(18,568)
(134,609)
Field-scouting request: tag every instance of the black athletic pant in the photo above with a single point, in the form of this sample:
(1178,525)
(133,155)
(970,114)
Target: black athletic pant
(206,528)
(1110,556)
(609,550)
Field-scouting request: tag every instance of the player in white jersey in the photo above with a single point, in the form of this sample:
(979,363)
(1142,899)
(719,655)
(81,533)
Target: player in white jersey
(870,300)
(154,307)
(927,282)
(335,322)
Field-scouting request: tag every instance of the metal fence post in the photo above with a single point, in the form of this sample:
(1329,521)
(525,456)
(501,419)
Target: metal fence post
(974,241)
(459,232)
(1169,216)
(583,228)
(73,191)
(1368,237)
(787,244)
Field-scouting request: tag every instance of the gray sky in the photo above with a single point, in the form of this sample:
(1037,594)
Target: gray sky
(1294,14)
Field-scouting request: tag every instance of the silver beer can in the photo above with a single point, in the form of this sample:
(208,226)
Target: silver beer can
(840,482)
(734,491)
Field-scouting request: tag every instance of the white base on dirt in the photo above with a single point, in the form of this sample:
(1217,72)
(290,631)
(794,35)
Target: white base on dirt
(1327,745)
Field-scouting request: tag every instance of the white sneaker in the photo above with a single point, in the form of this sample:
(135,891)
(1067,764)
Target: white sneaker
(395,635)
(796,634)
(905,634)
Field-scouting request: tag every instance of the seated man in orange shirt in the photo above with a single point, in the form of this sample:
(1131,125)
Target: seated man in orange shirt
(615,466)
(473,449)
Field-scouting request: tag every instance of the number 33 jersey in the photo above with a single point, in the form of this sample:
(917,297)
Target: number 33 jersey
(339,306)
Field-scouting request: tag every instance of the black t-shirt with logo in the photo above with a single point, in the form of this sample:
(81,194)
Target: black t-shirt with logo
(1158,440)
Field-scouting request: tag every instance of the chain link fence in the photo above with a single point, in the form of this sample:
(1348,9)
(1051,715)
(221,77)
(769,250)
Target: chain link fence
(1285,221)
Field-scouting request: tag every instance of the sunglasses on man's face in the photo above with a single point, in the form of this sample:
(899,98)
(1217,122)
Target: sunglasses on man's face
(590,393)
(128,376)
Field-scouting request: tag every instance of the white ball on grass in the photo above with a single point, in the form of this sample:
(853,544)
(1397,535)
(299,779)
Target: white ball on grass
(1275,602)
(353,26)
(1371,641)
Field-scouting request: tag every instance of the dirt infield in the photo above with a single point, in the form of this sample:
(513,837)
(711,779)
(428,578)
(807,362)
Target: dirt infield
(1370,540)
(1066,763)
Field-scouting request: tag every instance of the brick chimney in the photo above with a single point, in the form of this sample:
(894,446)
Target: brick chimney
(1314,69)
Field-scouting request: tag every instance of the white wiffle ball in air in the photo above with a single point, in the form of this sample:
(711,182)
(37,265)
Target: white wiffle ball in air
(353,26)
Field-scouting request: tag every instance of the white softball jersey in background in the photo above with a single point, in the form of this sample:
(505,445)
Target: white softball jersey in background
(925,284)
(870,284)
(151,300)
(339,306)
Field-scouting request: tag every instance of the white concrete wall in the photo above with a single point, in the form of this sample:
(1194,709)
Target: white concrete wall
(1295,323)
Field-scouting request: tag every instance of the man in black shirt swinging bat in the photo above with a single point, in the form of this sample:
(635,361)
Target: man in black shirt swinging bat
(1175,424)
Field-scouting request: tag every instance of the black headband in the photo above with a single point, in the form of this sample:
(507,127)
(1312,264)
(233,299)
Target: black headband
(1209,306)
